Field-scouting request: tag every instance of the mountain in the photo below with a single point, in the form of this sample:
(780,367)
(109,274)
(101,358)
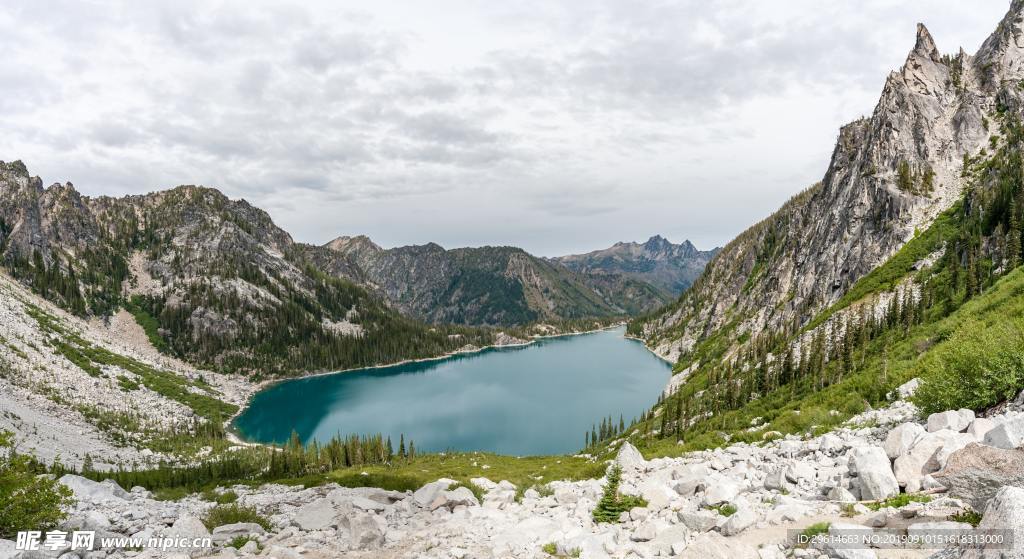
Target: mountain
(902,263)
(485,285)
(670,267)
(890,175)
(215,281)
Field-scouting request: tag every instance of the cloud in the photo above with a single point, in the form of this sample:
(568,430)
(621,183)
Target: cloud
(651,115)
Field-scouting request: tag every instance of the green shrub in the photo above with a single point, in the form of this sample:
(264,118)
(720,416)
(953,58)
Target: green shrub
(224,498)
(979,366)
(239,541)
(477,491)
(725,509)
(612,505)
(392,482)
(967,516)
(230,514)
(27,501)
(901,500)
(816,529)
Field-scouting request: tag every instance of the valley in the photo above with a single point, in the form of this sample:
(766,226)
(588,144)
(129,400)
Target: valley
(854,361)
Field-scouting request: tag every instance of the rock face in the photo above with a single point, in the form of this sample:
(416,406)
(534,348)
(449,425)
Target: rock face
(805,256)
(486,285)
(670,267)
(976,472)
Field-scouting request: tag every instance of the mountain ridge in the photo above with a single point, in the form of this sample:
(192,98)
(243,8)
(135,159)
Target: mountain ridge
(493,285)
(669,267)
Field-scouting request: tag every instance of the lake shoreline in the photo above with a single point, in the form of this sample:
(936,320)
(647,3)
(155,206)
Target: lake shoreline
(234,437)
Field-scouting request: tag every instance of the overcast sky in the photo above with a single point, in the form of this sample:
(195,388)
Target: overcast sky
(559,126)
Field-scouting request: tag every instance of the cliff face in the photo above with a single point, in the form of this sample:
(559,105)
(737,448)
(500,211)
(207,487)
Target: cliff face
(890,175)
(670,267)
(488,285)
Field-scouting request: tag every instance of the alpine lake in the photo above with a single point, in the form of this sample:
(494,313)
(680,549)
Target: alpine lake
(535,399)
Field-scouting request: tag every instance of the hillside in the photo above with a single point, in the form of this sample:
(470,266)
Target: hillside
(213,280)
(890,175)
(672,268)
(487,285)
(944,306)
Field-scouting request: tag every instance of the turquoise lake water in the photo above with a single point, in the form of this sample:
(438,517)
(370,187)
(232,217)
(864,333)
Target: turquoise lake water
(529,400)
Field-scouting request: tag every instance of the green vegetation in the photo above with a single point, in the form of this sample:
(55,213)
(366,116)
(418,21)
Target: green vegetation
(612,504)
(968,517)
(223,498)
(552,549)
(239,541)
(815,529)
(980,365)
(901,500)
(149,324)
(27,501)
(234,513)
(725,509)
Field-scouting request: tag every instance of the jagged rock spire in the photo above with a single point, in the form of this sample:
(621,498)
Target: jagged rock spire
(925,45)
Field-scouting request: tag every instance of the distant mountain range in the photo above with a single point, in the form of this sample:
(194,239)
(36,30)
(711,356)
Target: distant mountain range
(507,285)
(669,267)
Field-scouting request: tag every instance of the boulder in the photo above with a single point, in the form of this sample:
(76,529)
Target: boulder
(777,479)
(721,489)
(901,438)
(738,521)
(460,496)
(874,475)
(927,455)
(229,532)
(841,494)
(980,427)
(93,491)
(187,528)
(698,521)
(953,420)
(250,548)
(365,531)
(366,504)
(8,549)
(645,532)
(1005,511)
(976,472)
(629,458)
(317,515)
(1008,434)
(907,389)
(801,471)
(425,495)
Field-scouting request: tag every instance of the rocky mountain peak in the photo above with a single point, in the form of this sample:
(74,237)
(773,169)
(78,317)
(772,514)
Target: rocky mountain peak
(353,244)
(925,45)
(657,243)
